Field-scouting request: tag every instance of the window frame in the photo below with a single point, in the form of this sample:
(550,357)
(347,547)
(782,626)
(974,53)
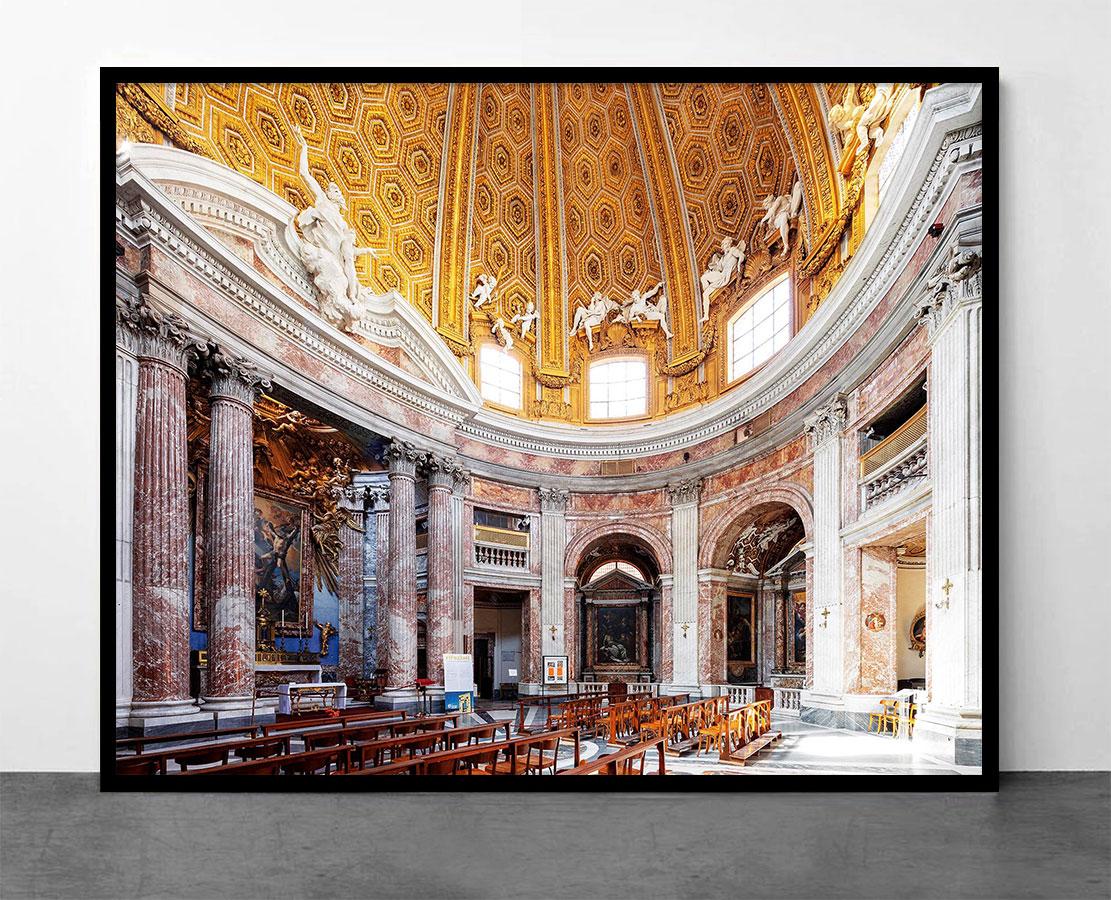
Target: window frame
(648,396)
(520,372)
(767,287)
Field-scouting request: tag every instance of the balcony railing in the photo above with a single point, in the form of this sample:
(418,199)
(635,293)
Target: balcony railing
(502,557)
(787,701)
(895,463)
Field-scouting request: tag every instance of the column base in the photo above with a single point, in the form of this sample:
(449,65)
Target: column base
(951,735)
(167,716)
(123,713)
(849,712)
(228,712)
(407,699)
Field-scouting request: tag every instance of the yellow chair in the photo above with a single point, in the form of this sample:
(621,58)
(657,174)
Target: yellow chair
(887,719)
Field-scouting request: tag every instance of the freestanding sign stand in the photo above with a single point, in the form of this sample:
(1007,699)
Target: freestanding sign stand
(458,682)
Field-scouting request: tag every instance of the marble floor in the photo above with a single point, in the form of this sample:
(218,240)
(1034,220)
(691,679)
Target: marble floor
(804,749)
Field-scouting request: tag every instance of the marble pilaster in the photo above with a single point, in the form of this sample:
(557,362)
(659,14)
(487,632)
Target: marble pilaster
(553,542)
(825,428)
(878,598)
(160,536)
(952,721)
(127,379)
(351,584)
(229,564)
(684,633)
(461,541)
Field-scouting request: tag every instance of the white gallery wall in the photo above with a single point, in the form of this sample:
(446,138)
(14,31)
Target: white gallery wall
(1055,316)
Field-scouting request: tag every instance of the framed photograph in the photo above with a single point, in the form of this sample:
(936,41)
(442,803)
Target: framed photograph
(647,416)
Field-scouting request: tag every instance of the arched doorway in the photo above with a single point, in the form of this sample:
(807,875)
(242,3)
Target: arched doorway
(762,613)
(618,610)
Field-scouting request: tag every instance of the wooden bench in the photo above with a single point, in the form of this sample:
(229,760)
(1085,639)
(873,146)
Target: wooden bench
(140,743)
(624,761)
(157,762)
(306,763)
(749,730)
(297,725)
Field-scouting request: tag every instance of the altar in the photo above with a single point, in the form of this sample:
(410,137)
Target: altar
(617,626)
(293,697)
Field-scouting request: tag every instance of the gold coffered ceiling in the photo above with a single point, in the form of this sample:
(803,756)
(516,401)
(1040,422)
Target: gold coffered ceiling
(560,190)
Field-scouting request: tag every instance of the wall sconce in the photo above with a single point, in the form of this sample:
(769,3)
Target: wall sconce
(685,626)
(553,630)
(825,618)
(947,587)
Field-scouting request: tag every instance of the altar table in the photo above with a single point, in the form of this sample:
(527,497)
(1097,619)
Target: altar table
(290,695)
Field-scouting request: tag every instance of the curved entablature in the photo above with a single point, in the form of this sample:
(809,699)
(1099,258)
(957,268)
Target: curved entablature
(233,233)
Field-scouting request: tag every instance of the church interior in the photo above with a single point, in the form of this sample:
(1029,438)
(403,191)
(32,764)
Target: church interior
(548,429)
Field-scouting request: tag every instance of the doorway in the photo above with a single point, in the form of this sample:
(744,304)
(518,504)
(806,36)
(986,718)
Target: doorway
(497,642)
(484,665)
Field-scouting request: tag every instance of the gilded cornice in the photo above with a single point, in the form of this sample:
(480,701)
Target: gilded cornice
(550,274)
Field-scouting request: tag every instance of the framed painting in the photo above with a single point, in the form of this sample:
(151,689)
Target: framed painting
(283,562)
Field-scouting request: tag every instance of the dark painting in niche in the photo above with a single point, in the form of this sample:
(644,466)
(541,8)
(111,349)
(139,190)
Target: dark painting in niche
(739,643)
(616,635)
(279,534)
(799,622)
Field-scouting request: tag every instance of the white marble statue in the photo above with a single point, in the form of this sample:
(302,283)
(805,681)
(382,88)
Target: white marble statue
(484,290)
(848,116)
(328,249)
(592,315)
(500,331)
(723,265)
(526,318)
(638,309)
(780,211)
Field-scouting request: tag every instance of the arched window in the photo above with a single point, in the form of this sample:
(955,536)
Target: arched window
(618,565)
(618,388)
(760,329)
(499,376)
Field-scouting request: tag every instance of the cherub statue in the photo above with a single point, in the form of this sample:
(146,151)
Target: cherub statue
(639,309)
(328,249)
(780,211)
(848,116)
(484,290)
(526,318)
(720,271)
(592,315)
(501,332)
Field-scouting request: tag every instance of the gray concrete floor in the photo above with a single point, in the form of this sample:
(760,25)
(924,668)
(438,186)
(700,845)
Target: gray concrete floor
(1043,835)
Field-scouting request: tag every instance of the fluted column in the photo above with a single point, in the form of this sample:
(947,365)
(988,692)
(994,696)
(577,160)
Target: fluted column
(460,528)
(954,603)
(824,429)
(375,525)
(554,639)
(684,592)
(441,473)
(350,647)
(381,621)
(160,536)
(229,566)
(402,612)
(127,379)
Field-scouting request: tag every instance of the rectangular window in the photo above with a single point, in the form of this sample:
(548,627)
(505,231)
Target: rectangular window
(499,376)
(618,389)
(761,330)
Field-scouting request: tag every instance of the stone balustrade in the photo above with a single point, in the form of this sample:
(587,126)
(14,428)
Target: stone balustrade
(503,557)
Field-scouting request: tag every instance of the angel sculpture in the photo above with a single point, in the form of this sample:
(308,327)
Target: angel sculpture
(484,290)
(848,116)
(723,265)
(592,315)
(501,332)
(780,211)
(328,250)
(526,318)
(639,309)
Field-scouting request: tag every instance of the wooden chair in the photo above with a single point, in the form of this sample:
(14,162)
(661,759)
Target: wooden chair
(547,754)
(887,718)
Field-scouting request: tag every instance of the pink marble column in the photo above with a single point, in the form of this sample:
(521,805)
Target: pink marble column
(160,537)
(402,614)
(382,571)
(441,562)
(350,635)
(229,565)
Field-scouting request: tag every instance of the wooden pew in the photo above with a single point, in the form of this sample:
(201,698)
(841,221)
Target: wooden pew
(749,730)
(306,763)
(299,725)
(515,763)
(624,761)
(140,743)
(197,754)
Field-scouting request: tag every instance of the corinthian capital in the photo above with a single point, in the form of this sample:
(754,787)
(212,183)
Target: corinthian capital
(157,333)
(956,279)
(554,500)
(231,376)
(686,491)
(402,458)
(442,471)
(828,421)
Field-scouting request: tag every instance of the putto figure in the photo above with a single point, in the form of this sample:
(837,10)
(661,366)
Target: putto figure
(502,333)
(639,309)
(328,249)
(484,290)
(526,318)
(723,265)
